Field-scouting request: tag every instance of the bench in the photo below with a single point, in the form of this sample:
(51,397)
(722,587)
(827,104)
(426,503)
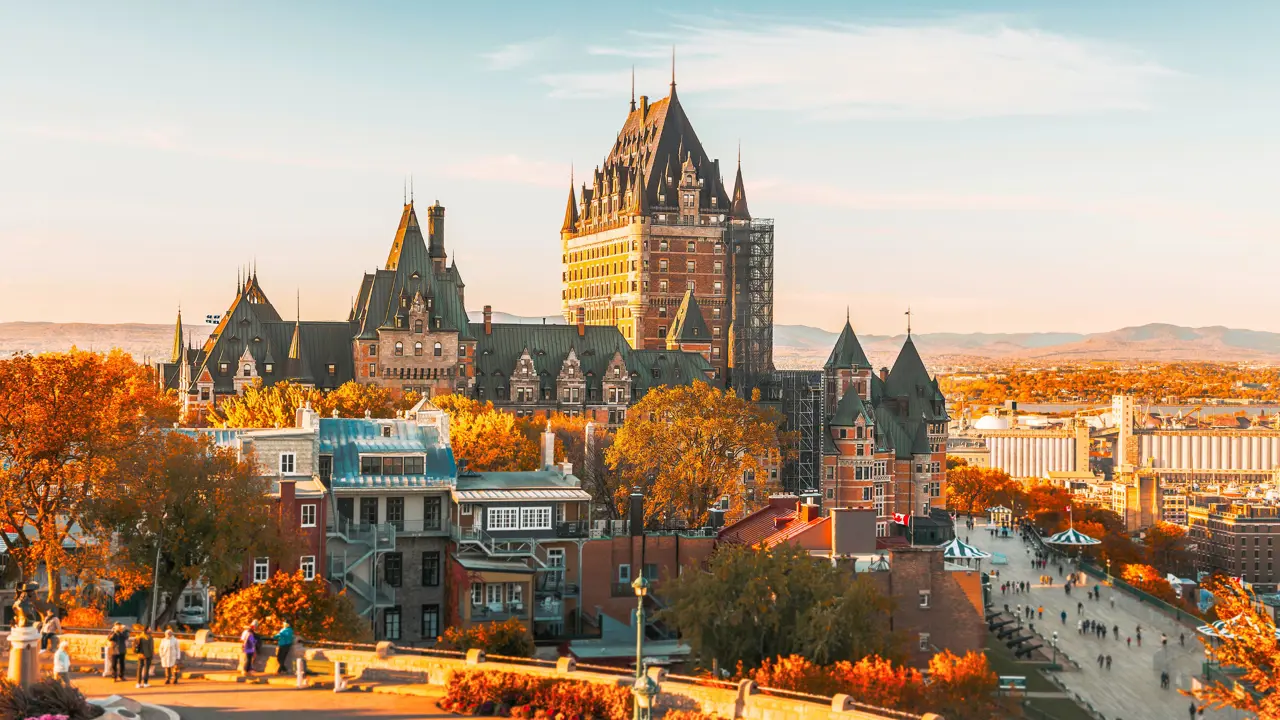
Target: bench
(1013,682)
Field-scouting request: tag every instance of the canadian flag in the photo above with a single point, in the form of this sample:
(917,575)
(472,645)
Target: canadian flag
(900,518)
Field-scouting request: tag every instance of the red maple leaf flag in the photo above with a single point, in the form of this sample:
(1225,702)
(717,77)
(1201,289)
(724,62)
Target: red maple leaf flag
(901,518)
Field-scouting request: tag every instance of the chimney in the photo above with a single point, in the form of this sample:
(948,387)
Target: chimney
(287,494)
(715,518)
(884,374)
(488,319)
(582,321)
(548,447)
(635,516)
(806,511)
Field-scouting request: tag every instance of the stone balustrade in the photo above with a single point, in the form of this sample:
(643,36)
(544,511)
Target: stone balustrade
(385,664)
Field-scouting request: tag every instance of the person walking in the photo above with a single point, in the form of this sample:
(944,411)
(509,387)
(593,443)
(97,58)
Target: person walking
(1113,601)
(1079,627)
(1164,641)
(50,629)
(1079,608)
(1100,661)
(284,644)
(62,663)
(1041,611)
(1064,617)
(1182,639)
(1115,631)
(1139,638)
(1129,641)
(1108,663)
(249,645)
(170,655)
(117,645)
(145,647)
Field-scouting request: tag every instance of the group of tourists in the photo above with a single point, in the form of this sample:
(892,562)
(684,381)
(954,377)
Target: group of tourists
(251,642)
(144,647)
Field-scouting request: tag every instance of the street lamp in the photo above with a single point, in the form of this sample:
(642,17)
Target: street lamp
(644,689)
(1108,570)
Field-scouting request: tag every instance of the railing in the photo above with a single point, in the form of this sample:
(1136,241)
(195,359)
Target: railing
(486,613)
(513,547)
(380,536)
(553,610)
(572,529)
(422,527)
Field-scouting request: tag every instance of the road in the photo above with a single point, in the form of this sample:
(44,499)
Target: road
(1131,689)
(202,700)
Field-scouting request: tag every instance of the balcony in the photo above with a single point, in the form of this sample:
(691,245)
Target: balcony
(436,526)
(548,609)
(497,612)
(572,529)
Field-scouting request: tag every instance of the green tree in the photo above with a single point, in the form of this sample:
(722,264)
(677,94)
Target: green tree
(750,605)
(201,505)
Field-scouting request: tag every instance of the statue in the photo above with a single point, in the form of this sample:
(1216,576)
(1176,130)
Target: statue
(24,612)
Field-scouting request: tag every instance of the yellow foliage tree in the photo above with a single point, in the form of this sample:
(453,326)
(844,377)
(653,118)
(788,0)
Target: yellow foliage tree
(971,489)
(1149,580)
(276,405)
(486,439)
(690,445)
(1252,650)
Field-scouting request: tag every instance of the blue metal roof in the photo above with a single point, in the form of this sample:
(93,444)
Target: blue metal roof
(345,439)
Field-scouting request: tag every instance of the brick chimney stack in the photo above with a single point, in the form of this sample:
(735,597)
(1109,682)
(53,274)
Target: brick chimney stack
(582,322)
(488,319)
(884,374)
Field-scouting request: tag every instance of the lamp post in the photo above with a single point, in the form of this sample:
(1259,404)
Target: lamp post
(644,689)
(1108,570)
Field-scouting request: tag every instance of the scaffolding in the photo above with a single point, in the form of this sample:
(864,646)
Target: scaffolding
(800,395)
(751,334)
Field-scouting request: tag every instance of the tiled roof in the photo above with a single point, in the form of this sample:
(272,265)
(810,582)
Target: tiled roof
(525,480)
(792,530)
(757,526)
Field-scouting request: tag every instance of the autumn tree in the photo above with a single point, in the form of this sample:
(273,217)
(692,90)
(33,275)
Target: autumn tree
(1166,547)
(755,604)
(66,419)
(1251,651)
(690,445)
(486,439)
(314,611)
(970,489)
(1150,581)
(954,461)
(203,507)
(508,638)
(584,445)
(276,405)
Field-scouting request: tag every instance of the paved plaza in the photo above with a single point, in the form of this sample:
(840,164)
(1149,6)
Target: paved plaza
(1130,690)
(203,700)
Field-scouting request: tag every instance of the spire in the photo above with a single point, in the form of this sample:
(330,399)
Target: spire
(908,314)
(570,211)
(738,208)
(179,355)
(295,345)
(673,71)
(848,351)
(633,88)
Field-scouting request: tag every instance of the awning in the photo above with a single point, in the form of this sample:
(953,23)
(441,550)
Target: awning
(482,565)
(1071,536)
(959,550)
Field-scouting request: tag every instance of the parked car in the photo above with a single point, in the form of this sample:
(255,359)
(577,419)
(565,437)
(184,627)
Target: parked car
(192,616)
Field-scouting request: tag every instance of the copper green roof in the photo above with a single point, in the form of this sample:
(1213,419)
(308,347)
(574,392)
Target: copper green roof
(689,325)
(848,351)
(849,409)
(346,439)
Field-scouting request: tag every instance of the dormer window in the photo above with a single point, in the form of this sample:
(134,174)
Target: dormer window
(417,326)
(332,368)
(224,368)
(269,368)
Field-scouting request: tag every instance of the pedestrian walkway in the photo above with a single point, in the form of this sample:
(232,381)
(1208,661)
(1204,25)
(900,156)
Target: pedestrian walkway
(1130,690)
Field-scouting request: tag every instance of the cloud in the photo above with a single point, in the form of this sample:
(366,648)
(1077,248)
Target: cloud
(511,169)
(514,55)
(968,68)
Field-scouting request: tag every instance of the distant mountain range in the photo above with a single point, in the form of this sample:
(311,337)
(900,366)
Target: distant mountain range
(795,346)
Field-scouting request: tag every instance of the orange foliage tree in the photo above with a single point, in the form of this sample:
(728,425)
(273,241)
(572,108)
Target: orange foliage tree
(1166,548)
(1149,580)
(690,445)
(1096,382)
(315,612)
(66,420)
(971,489)
(1252,652)
(485,438)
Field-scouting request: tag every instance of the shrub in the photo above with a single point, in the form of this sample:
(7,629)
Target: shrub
(691,715)
(509,638)
(527,696)
(313,609)
(85,617)
(49,697)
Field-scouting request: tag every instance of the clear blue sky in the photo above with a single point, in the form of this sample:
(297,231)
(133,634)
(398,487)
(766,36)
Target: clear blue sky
(998,166)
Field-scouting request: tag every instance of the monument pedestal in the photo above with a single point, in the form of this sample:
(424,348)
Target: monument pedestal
(24,655)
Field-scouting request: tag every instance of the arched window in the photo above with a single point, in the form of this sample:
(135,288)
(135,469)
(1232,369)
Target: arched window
(248,370)
(438,351)
(417,348)
(399,349)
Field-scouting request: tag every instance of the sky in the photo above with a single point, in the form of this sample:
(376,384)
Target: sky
(994,166)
